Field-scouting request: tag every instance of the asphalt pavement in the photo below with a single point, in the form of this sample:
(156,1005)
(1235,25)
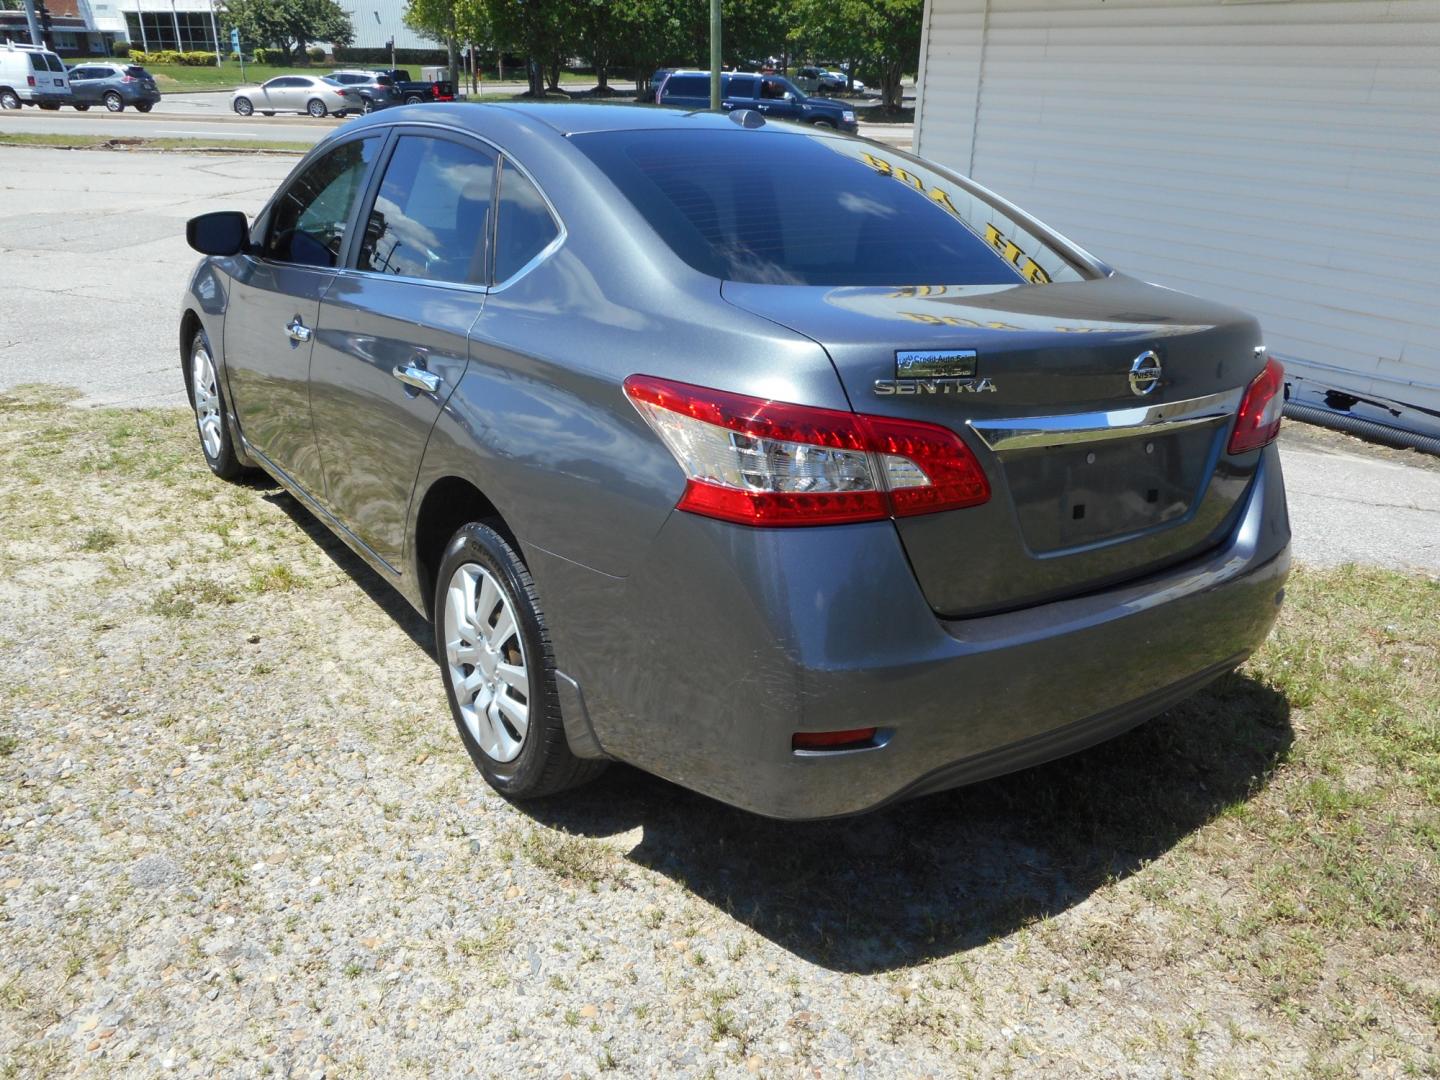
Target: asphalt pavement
(93,264)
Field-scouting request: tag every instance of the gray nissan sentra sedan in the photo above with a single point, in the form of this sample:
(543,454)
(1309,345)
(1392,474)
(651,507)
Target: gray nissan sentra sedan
(793,468)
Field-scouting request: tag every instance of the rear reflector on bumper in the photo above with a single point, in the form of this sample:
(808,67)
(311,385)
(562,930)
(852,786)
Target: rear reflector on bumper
(759,462)
(833,740)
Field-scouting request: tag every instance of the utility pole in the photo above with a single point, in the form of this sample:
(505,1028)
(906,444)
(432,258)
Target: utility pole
(31,22)
(715,55)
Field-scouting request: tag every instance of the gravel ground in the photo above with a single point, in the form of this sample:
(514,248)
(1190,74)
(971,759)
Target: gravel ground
(239,837)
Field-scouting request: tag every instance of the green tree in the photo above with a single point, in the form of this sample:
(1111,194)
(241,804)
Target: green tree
(450,22)
(884,35)
(288,24)
(545,31)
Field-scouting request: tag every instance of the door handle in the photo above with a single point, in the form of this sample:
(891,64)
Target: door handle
(417,377)
(297,330)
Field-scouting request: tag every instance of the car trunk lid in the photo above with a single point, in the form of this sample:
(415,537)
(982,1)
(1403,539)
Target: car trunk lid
(1095,480)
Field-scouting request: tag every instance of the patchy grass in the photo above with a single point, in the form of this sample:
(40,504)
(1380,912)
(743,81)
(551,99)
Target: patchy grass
(211,731)
(131,142)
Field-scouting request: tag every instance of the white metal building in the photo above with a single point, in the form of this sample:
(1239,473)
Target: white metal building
(1282,156)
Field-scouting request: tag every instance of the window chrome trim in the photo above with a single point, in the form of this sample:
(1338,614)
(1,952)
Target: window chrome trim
(502,159)
(1027,432)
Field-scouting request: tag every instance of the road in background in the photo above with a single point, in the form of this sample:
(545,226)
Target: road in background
(208,115)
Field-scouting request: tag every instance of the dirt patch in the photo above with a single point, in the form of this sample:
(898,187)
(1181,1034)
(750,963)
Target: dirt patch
(239,836)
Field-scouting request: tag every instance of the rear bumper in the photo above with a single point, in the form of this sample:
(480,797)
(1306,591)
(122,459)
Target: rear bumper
(742,637)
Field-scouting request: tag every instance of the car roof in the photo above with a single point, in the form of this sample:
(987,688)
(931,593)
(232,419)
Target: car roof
(572,119)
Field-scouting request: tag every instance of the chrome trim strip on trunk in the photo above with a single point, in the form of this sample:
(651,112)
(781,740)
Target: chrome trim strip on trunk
(1030,431)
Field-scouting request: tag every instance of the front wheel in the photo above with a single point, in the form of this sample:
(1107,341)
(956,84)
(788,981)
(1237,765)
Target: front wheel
(50,106)
(9,99)
(413,99)
(208,401)
(114,102)
(824,124)
(499,668)
(316,108)
(144,106)
(245,107)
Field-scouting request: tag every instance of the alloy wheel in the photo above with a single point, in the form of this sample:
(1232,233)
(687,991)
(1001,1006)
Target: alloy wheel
(9,99)
(486,657)
(205,393)
(114,102)
(243,106)
(316,108)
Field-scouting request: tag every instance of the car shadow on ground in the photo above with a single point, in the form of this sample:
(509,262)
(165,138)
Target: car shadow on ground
(935,876)
(939,875)
(373,585)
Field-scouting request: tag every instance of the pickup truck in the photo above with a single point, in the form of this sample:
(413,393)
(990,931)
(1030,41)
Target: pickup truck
(774,95)
(412,92)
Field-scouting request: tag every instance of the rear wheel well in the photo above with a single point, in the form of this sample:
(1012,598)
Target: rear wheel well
(450,503)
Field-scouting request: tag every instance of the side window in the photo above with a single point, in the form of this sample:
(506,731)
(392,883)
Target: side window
(687,86)
(741,87)
(432,213)
(307,222)
(524,226)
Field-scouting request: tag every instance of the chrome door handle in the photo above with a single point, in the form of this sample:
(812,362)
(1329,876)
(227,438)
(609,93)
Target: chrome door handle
(417,377)
(297,330)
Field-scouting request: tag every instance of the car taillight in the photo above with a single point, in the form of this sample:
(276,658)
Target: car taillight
(129,78)
(769,463)
(1258,421)
(29,80)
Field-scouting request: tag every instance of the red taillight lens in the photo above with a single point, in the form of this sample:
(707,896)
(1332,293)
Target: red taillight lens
(760,462)
(833,740)
(29,80)
(1258,421)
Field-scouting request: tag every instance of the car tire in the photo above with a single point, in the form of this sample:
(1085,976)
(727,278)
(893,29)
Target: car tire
(82,108)
(207,399)
(245,107)
(144,106)
(830,124)
(367,106)
(49,106)
(267,114)
(316,108)
(507,637)
(9,99)
(114,102)
(413,99)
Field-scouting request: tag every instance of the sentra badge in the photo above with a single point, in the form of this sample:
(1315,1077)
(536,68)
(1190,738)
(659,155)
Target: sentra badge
(932,371)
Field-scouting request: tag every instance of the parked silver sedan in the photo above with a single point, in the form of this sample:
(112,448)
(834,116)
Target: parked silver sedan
(313,94)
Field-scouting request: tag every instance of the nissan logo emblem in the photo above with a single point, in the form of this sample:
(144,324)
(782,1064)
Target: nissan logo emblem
(1145,373)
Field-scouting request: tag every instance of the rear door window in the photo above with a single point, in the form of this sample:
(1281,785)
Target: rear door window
(308,220)
(431,216)
(812,210)
(687,86)
(742,86)
(524,226)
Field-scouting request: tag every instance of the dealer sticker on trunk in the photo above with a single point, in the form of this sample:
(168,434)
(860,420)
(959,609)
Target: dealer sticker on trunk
(935,371)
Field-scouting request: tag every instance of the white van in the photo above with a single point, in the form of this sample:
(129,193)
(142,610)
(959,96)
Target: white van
(32,76)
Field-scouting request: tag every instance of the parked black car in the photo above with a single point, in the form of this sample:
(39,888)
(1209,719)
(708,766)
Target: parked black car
(112,85)
(412,92)
(774,95)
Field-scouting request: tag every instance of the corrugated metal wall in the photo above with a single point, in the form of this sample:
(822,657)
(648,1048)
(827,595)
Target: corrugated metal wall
(1283,157)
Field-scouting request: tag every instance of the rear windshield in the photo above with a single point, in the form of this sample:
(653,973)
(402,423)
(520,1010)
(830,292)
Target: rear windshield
(46,62)
(137,72)
(812,210)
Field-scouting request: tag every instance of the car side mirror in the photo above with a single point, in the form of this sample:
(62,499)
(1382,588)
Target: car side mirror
(224,232)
